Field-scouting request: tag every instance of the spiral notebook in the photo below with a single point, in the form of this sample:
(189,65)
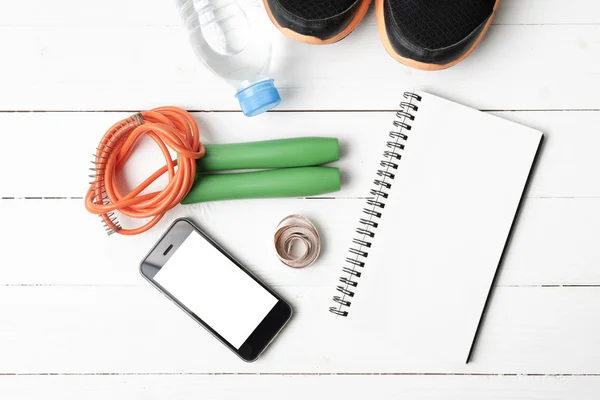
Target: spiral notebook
(434,229)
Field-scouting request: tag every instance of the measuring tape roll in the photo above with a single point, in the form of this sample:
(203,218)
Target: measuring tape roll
(290,230)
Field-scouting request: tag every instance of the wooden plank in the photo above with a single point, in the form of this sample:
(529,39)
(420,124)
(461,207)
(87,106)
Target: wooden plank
(554,242)
(360,153)
(547,12)
(115,13)
(139,67)
(52,151)
(136,330)
(90,257)
(179,387)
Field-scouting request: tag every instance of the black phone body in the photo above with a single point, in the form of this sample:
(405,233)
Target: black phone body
(214,289)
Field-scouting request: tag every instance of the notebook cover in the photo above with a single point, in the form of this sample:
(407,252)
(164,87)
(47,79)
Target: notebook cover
(443,228)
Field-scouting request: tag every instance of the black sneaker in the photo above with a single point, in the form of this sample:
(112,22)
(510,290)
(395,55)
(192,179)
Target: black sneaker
(433,34)
(316,21)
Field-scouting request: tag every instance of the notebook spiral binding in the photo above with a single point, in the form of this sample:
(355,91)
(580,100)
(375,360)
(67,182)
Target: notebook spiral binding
(375,205)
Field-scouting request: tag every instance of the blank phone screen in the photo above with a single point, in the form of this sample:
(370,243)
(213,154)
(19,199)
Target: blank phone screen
(215,289)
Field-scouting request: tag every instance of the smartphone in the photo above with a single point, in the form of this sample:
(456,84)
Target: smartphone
(215,290)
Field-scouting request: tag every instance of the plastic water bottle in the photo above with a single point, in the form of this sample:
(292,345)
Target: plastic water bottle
(230,37)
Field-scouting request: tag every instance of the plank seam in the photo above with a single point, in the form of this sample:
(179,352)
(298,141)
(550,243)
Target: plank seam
(434,374)
(199,111)
(62,285)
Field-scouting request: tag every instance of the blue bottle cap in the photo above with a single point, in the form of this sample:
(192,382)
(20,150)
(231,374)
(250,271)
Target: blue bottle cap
(258,98)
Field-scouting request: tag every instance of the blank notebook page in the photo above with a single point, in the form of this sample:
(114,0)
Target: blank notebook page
(443,230)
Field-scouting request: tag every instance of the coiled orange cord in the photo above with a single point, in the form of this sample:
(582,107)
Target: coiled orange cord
(169,127)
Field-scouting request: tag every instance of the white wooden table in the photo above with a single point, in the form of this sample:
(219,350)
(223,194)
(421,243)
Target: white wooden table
(78,321)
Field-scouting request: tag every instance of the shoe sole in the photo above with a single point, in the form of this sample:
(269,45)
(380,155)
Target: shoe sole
(417,64)
(362,11)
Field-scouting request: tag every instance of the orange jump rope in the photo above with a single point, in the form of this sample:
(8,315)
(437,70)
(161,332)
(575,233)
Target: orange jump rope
(169,127)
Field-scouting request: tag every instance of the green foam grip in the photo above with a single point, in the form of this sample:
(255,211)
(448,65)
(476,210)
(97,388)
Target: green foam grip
(281,153)
(286,182)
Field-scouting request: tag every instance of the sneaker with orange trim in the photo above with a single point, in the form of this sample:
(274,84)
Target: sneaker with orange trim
(316,21)
(433,34)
